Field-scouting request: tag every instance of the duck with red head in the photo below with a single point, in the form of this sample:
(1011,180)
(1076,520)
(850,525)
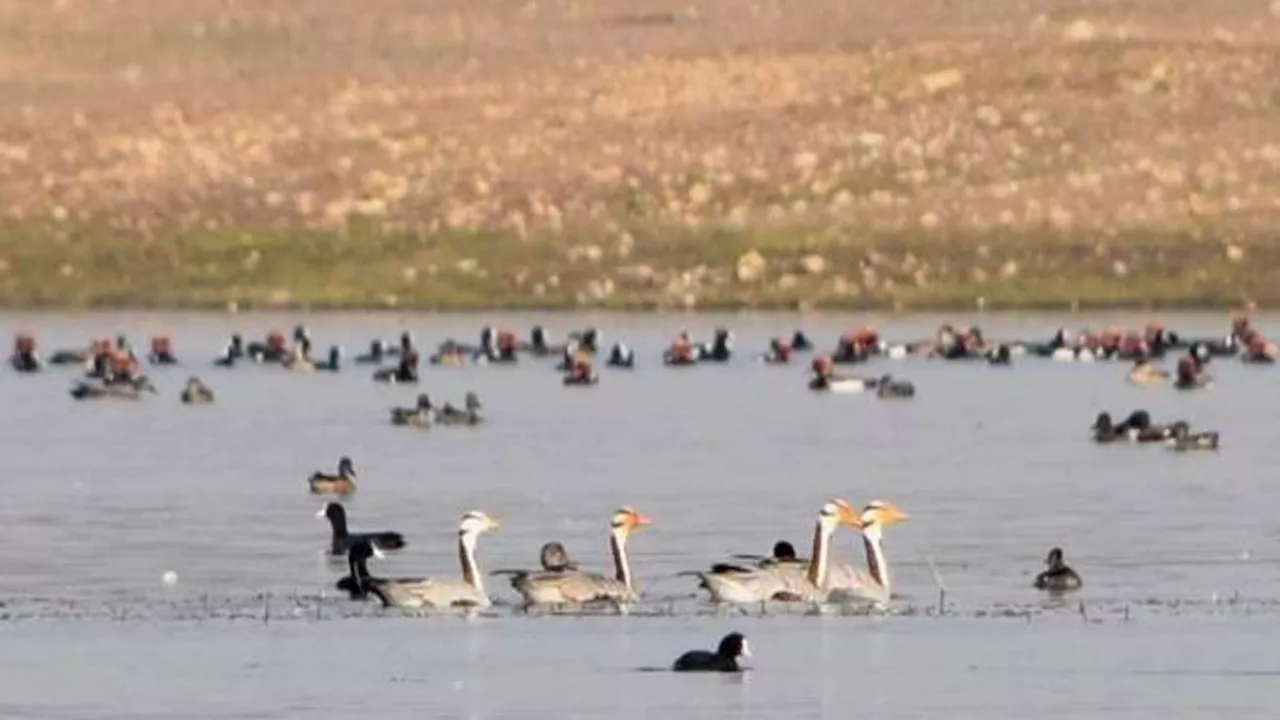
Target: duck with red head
(25,357)
(1191,374)
(162,351)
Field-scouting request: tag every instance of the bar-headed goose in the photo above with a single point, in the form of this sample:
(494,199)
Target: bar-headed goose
(851,583)
(783,581)
(578,587)
(467,591)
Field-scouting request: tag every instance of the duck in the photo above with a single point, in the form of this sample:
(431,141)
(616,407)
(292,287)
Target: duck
(783,553)
(779,353)
(425,593)
(552,556)
(1105,430)
(720,349)
(800,342)
(162,351)
(468,415)
(119,390)
(344,483)
(579,587)
(888,388)
(1000,354)
(780,582)
(1182,439)
(343,538)
(1191,374)
(196,392)
(621,356)
(25,357)
(227,358)
(587,338)
(1057,577)
(538,346)
(681,353)
(724,659)
(825,379)
(1144,372)
(377,353)
(406,371)
(333,363)
(357,582)
(422,414)
(580,371)
(873,584)
(300,359)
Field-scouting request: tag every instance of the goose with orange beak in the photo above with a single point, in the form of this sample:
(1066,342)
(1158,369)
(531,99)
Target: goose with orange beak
(849,583)
(580,587)
(784,582)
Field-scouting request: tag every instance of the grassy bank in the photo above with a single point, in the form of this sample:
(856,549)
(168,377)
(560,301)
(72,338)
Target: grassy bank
(671,268)
(710,153)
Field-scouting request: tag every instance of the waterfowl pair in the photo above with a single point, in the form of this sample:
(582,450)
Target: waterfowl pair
(577,587)
(432,593)
(825,378)
(196,392)
(1135,428)
(343,538)
(723,659)
(424,413)
(118,390)
(344,483)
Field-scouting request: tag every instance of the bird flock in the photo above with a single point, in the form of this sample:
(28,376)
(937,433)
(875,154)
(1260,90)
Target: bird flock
(112,370)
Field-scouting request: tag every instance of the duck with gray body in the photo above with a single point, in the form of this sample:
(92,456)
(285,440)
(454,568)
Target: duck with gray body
(469,414)
(422,414)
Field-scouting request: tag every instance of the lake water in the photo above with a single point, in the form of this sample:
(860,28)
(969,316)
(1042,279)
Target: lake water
(1178,616)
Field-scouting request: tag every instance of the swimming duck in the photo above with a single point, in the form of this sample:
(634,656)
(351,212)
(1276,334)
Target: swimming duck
(779,353)
(122,390)
(196,392)
(162,351)
(800,342)
(469,415)
(1058,577)
(343,538)
(587,338)
(406,371)
(552,556)
(581,372)
(888,388)
(1000,354)
(300,359)
(25,358)
(344,483)
(784,553)
(422,414)
(1105,430)
(422,593)
(334,363)
(1144,372)
(724,659)
(227,359)
(377,352)
(1182,439)
(681,353)
(720,349)
(825,379)
(1191,374)
(621,356)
